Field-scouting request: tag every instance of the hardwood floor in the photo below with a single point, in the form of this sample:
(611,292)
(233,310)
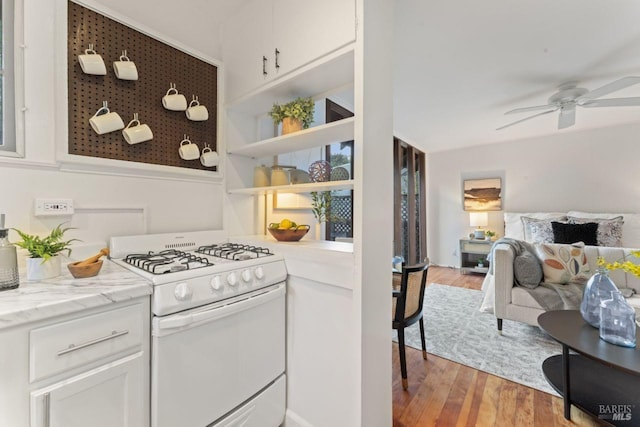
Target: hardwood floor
(444,393)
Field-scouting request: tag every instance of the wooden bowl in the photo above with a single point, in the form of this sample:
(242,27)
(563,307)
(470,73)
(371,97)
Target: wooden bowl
(82,271)
(289,235)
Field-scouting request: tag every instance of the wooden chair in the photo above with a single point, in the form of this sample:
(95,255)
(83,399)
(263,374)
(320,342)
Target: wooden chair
(407,308)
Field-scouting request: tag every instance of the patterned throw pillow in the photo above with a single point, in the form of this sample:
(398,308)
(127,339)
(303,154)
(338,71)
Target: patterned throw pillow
(539,230)
(563,263)
(609,230)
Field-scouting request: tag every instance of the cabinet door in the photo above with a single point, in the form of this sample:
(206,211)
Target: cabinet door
(109,396)
(246,39)
(304,30)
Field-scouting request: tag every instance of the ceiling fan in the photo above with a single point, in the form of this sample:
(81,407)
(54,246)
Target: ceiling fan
(569,96)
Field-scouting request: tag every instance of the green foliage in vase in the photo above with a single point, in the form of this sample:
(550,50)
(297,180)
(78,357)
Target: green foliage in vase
(300,109)
(45,247)
(321,205)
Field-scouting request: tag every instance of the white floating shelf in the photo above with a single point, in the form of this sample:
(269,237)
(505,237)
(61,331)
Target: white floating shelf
(339,131)
(296,188)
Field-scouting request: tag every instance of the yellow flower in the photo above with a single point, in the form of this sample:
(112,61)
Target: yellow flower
(627,266)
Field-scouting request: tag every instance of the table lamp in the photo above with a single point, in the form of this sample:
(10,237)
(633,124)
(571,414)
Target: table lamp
(478,220)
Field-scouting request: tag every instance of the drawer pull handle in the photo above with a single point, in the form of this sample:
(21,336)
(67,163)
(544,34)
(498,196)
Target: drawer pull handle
(73,347)
(47,409)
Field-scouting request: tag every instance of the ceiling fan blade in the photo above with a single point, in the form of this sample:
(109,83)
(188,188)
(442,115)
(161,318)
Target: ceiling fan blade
(535,108)
(613,102)
(611,87)
(527,118)
(567,116)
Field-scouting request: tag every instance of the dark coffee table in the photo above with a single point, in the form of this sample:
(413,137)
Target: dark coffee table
(602,379)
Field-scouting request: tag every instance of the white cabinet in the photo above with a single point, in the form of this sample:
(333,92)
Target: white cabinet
(89,368)
(269,38)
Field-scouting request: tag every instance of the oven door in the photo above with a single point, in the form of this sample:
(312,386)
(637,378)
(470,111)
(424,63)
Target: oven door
(208,361)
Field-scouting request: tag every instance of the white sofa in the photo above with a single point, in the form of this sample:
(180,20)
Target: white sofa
(515,303)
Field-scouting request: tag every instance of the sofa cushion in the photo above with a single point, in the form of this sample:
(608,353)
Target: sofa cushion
(609,231)
(513,226)
(522,297)
(563,263)
(539,230)
(571,233)
(527,270)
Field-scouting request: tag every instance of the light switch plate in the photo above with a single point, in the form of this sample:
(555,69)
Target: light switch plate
(52,207)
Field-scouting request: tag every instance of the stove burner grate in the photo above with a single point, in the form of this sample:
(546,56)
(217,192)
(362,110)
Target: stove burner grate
(234,251)
(167,261)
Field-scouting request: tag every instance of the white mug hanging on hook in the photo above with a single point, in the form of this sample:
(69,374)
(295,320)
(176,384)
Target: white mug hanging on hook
(92,63)
(105,121)
(188,150)
(135,132)
(197,112)
(125,69)
(208,158)
(173,100)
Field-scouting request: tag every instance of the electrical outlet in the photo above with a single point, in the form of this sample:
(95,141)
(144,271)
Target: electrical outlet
(51,207)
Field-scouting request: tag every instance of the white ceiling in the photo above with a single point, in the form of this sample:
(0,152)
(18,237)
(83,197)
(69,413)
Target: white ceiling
(459,65)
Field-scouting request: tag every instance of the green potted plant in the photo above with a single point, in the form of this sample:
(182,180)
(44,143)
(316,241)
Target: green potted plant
(321,208)
(43,262)
(294,115)
(490,234)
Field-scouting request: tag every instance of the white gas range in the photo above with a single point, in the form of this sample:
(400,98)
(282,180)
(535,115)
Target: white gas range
(218,328)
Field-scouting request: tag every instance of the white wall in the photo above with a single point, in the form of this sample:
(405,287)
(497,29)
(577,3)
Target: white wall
(107,205)
(595,171)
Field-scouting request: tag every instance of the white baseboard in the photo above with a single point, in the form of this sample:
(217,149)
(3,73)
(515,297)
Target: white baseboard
(294,420)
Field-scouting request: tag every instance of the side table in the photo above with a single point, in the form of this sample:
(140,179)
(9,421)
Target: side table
(470,252)
(602,379)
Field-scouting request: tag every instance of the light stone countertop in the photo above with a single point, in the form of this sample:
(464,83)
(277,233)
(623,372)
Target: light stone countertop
(33,301)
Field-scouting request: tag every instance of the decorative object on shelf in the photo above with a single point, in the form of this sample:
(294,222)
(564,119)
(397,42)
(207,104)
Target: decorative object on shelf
(261,176)
(173,100)
(279,176)
(9,278)
(43,262)
(481,263)
(478,220)
(209,158)
(105,121)
(617,321)
(188,150)
(597,289)
(320,171)
(321,209)
(339,174)
(89,267)
(293,234)
(197,112)
(490,235)
(92,63)
(135,132)
(299,176)
(482,194)
(125,69)
(299,110)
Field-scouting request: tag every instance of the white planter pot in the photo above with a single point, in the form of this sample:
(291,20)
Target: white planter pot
(37,270)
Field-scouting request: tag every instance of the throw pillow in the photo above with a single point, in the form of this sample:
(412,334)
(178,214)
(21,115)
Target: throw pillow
(609,230)
(527,270)
(571,233)
(563,264)
(539,230)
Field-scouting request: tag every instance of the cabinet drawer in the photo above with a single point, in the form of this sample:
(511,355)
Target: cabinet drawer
(476,248)
(68,345)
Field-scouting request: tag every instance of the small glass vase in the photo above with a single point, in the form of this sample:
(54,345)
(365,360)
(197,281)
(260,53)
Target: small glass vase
(597,289)
(617,321)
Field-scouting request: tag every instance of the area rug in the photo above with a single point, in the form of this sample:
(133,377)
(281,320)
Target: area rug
(456,330)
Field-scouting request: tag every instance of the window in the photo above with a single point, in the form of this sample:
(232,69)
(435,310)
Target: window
(11,143)
(410,221)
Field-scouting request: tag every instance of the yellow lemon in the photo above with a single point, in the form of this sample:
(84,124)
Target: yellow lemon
(285,223)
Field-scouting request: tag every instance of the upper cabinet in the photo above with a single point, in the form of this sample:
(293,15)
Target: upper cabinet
(269,38)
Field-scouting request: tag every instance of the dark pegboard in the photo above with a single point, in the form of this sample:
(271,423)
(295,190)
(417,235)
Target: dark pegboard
(158,65)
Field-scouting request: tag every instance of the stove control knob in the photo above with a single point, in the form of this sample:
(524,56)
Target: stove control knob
(232,278)
(246,276)
(182,292)
(259,272)
(216,283)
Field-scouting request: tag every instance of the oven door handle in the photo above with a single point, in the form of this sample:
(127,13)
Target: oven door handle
(182,320)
